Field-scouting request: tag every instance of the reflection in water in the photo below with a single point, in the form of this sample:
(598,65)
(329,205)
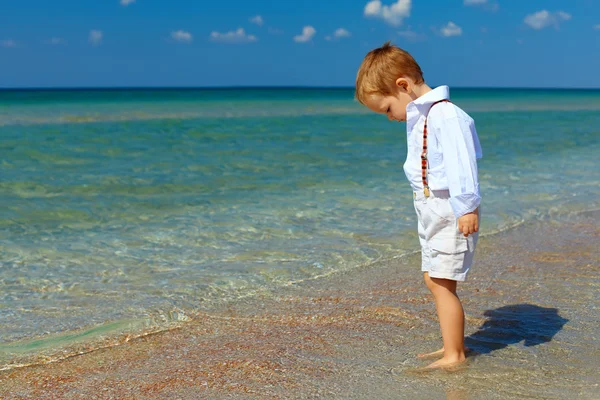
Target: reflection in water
(515,323)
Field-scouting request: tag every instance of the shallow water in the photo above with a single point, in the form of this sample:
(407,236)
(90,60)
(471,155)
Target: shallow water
(127,211)
(531,309)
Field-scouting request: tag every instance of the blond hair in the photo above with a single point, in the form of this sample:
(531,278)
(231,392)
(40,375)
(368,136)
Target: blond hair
(380,69)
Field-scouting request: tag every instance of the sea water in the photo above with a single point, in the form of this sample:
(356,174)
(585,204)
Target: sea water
(126,211)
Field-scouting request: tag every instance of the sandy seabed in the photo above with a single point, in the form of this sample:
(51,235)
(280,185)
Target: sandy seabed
(532,303)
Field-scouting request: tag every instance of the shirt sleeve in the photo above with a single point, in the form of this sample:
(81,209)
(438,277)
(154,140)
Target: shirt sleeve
(460,150)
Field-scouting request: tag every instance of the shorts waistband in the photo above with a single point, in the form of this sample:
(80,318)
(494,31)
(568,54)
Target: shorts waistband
(443,194)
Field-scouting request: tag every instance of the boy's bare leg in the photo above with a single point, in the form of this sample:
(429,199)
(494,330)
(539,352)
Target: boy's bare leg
(452,320)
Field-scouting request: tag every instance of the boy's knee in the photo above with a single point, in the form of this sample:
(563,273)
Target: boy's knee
(437,284)
(428,282)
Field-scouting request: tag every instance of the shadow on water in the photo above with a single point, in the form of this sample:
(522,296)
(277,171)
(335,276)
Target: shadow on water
(513,324)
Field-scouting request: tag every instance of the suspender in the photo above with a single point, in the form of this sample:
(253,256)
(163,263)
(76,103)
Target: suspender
(424,153)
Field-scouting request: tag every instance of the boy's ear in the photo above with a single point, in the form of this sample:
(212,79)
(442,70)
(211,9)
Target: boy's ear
(403,85)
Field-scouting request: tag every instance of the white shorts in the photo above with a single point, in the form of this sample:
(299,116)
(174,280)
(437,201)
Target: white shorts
(445,252)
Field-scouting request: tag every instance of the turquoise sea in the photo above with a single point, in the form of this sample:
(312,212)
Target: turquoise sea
(123,212)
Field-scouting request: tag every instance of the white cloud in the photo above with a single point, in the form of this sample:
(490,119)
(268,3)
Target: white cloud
(56,41)
(182,36)
(407,34)
(127,2)
(411,35)
(597,27)
(544,18)
(258,20)
(96,37)
(451,29)
(307,34)
(490,5)
(8,43)
(238,36)
(392,14)
(341,33)
(338,34)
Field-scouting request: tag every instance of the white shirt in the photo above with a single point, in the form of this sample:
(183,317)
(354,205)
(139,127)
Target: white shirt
(452,149)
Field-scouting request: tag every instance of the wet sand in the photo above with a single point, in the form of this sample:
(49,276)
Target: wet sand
(532,304)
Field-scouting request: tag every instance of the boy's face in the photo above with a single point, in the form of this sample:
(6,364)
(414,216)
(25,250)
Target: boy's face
(393,106)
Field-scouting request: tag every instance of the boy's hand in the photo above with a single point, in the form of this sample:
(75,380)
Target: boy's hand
(469,223)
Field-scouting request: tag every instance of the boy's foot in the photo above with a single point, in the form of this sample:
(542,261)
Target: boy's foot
(447,363)
(434,354)
(437,353)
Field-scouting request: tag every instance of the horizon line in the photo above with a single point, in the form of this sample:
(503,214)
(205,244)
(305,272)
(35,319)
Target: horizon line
(259,87)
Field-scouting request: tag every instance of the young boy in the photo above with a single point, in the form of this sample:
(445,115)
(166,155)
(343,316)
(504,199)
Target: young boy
(441,166)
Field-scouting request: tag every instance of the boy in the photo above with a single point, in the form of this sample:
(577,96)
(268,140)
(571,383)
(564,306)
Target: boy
(441,167)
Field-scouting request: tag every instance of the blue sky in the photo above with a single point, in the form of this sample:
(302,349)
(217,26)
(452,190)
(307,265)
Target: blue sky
(491,43)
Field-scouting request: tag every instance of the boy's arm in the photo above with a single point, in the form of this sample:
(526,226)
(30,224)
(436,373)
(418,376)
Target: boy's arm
(458,139)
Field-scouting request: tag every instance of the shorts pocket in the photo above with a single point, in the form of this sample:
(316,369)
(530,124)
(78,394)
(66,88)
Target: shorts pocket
(441,208)
(449,244)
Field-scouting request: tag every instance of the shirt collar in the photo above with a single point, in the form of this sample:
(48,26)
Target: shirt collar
(423,103)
